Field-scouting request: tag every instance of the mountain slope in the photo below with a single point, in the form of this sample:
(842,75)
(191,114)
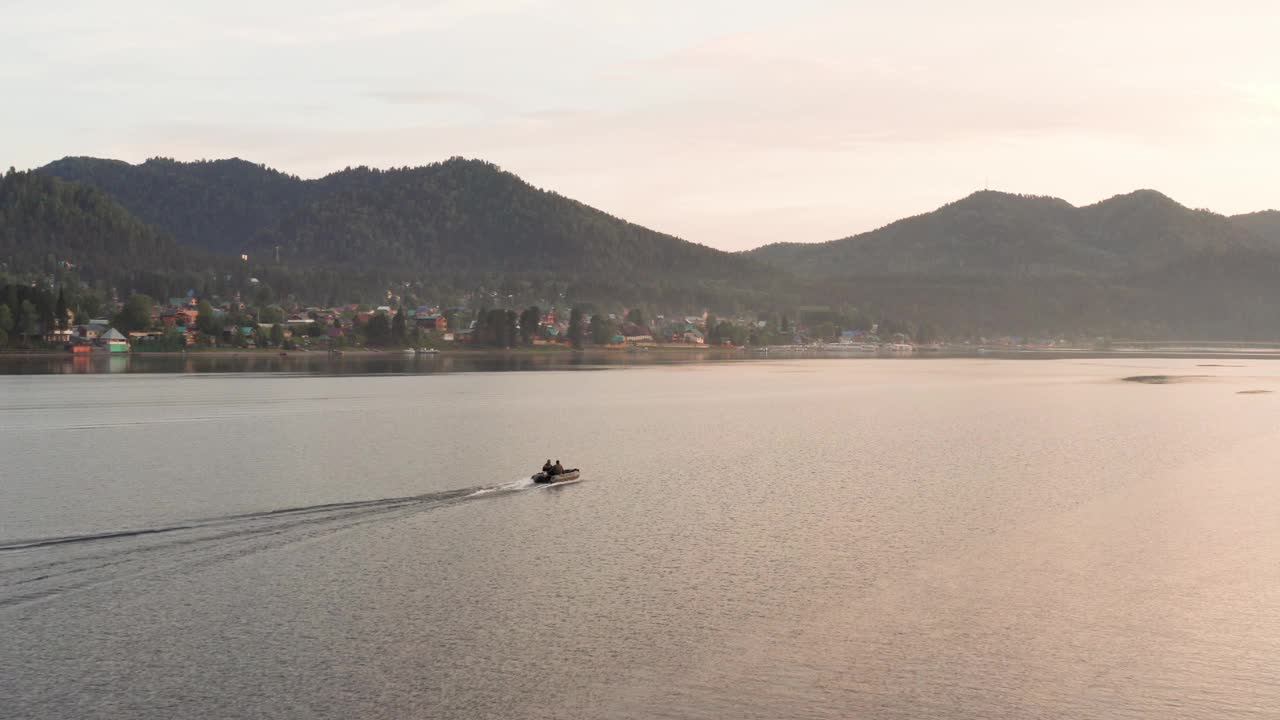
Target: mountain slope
(1147,229)
(466,215)
(1135,265)
(463,219)
(217,205)
(998,234)
(45,222)
(984,233)
(1264,225)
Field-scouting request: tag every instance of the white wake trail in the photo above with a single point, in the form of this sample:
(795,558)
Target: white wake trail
(521,484)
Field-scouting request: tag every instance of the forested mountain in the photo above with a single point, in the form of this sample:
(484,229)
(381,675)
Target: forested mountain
(457,221)
(1264,224)
(48,225)
(467,215)
(999,234)
(1147,230)
(218,205)
(1135,265)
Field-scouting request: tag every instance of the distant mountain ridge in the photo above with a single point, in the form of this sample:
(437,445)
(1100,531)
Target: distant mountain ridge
(1264,224)
(458,221)
(42,217)
(1137,265)
(216,205)
(994,233)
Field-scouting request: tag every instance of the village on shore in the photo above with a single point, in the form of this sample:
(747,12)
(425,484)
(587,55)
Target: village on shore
(191,324)
(49,319)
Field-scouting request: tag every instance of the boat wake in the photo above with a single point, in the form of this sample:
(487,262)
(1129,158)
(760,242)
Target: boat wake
(512,486)
(42,568)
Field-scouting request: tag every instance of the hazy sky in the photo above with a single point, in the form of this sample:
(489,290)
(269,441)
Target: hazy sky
(733,123)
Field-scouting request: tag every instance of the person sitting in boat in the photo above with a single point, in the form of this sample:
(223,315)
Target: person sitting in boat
(558,469)
(547,467)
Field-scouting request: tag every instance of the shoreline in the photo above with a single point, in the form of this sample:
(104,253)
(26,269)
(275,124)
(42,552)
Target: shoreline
(665,353)
(373,352)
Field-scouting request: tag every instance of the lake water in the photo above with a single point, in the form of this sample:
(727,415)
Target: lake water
(801,539)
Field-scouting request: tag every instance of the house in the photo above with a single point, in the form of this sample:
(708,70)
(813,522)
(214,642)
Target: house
(58,336)
(634,333)
(181,317)
(113,341)
(435,323)
(90,332)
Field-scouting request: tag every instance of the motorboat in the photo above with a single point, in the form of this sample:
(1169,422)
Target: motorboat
(566,476)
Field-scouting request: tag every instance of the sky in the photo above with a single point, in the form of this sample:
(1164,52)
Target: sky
(733,123)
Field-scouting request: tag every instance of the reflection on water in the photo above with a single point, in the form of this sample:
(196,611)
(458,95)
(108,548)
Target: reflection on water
(381,363)
(320,363)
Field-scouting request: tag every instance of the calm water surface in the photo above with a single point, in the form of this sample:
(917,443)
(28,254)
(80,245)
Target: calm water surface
(809,539)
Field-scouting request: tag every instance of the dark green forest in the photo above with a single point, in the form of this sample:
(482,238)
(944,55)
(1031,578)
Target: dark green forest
(463,231)
(1137,265)
(217,205)
(448,226)
(57,228)
(1265,224)
(993,234)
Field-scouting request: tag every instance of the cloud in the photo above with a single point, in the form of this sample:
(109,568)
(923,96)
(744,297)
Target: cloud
(855,79)
(427,97)
(784,125)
